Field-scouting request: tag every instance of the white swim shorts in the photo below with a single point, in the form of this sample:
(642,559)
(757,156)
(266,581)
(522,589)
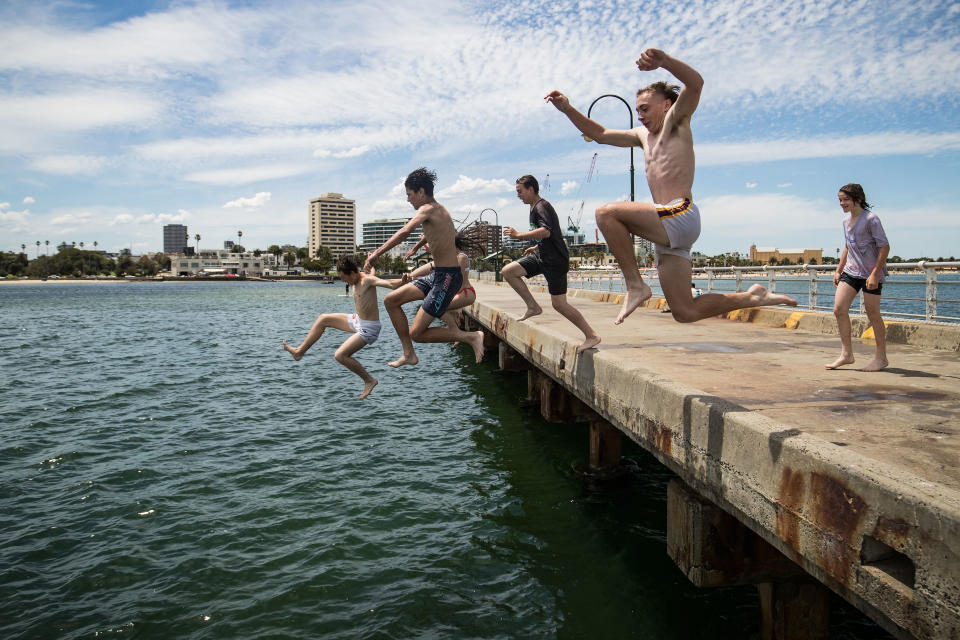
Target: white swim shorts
(681,220)
(369,330)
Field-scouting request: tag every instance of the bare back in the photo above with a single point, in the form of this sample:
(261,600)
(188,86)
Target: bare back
(440,233)
(669,160)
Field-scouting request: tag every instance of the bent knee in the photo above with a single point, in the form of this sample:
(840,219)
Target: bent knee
(559,303)
(684,315)
(840,312)
(604,210)
(417,334)
(341,357)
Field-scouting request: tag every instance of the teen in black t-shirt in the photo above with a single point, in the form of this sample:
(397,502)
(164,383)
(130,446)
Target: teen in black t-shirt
(549,257)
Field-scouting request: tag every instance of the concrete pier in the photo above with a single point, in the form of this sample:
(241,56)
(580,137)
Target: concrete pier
(854,477)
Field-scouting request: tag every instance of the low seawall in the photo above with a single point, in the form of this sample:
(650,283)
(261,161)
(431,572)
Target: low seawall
(852,476)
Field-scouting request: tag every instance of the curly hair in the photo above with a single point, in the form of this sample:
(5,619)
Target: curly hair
(421,178)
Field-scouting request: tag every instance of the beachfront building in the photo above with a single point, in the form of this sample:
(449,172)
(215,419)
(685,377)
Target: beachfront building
(211,262)
(174,238)
(773,255)
(332,223)
(376,232)
(488,236)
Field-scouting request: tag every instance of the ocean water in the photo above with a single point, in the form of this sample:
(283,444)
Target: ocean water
(167,471)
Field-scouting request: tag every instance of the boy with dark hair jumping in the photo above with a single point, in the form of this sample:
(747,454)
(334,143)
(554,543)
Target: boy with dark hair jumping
(439,232)
(364,324)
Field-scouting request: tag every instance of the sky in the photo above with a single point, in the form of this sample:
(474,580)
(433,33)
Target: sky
(119,117)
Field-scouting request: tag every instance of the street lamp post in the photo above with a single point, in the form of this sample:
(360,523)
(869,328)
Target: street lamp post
(630,113)
(496,260)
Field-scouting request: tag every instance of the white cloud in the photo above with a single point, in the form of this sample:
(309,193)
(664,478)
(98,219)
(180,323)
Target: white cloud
(164,218)
(784,185)
(76,110)
(244,175)
(474,186)
(258,200)
(69,219)
(154,44)
(69,164)
(875,144)
(352,152)
(567,187)
(28,200)
(751,185)
(121,218)
(13,220)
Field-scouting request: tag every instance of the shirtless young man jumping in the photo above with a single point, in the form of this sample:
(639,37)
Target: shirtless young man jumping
(664,134)
(438,230)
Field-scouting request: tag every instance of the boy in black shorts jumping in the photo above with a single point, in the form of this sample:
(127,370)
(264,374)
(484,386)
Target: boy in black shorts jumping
(549,257)
(440,233)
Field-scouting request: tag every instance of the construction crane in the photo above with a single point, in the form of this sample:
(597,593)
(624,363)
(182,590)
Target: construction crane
(573,226)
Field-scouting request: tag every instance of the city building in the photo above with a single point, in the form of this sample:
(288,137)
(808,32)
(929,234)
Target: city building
(228,244)
(174,238)
(573,239)
(217,262)
(771,255)
(488,236)
(332,223)
(376,232)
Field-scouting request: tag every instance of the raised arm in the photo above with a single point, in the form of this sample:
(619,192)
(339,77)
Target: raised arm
(591,129)
(397,238)
(692,81)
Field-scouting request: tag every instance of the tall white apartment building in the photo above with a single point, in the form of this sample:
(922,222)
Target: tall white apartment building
(332,223)
(376,232)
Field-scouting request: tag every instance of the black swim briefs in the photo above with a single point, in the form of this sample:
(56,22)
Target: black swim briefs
(556,275)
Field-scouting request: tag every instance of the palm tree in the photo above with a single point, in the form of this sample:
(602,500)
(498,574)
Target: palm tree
(239,235)
(197,238)
(38,248)
(83,271)
(23,248)
(48,247)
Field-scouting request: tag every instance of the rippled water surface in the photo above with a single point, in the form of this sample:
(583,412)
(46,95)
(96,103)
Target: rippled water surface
(169,472)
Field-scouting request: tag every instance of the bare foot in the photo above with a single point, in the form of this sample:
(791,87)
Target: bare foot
(368,387)
(292,351)
(589,343)
(875,365)
(531,311)
(410,359)
(839,362)
(760,297)
(476,341)
(635,298)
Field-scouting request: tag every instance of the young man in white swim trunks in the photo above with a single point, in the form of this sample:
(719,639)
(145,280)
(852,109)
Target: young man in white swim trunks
(664,134)
(364,324)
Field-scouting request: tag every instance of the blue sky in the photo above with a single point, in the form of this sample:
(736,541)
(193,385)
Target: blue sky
(118,117)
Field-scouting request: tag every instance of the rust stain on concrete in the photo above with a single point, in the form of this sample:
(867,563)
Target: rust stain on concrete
(790,496)
(500,325)
(659,436)
(893,532)
(838,511)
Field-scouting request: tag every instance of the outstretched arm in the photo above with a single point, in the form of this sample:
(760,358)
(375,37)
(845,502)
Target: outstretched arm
(692,81)
(397,238)
(591,129)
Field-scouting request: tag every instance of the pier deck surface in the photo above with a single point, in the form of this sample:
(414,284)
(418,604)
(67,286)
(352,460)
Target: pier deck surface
(815,461)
